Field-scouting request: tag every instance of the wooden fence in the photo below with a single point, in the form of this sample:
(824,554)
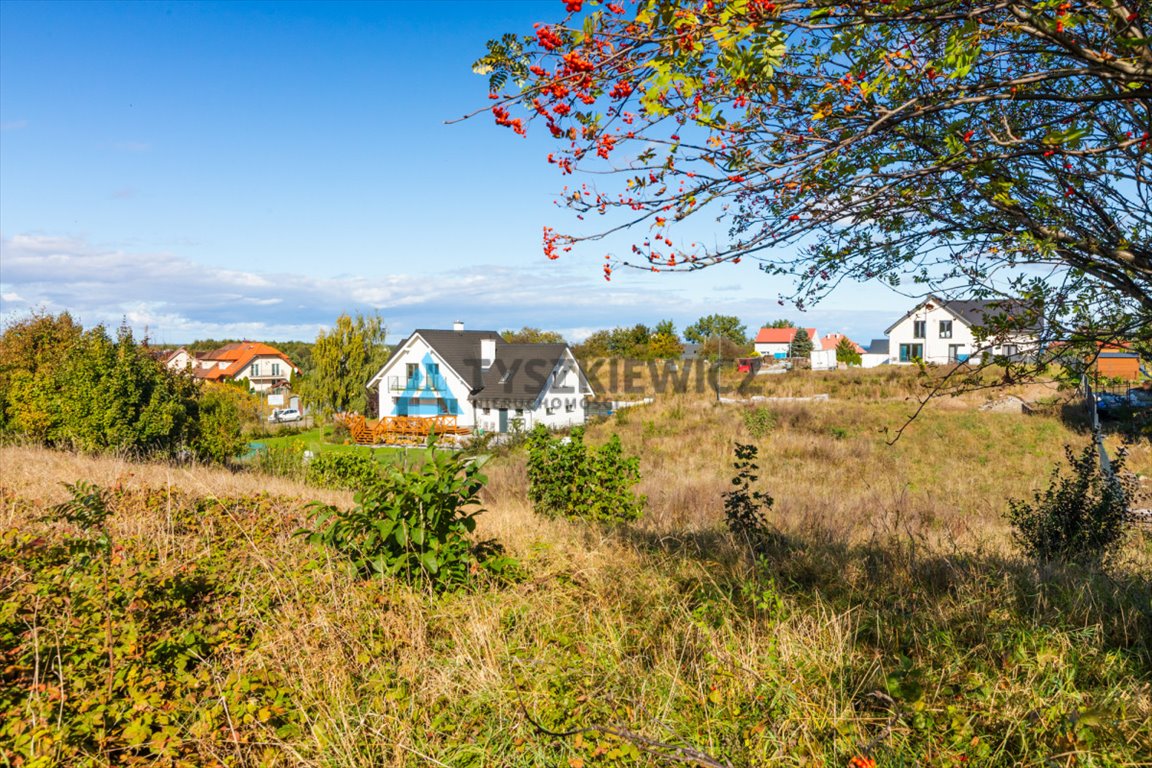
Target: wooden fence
(401,430)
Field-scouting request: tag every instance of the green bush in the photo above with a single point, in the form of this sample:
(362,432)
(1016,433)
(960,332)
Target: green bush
(1080,518)
(141,668)
(567,478)
(64,387)
(759,421)
(281,460)
(415,525)
(217,434)
(343,470)
(745,510)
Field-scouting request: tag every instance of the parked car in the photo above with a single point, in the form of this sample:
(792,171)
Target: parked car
(281,415)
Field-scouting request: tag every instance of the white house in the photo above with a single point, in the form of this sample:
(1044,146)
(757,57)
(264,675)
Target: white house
(483,381)
(777,342)
(175,359)
(264,366)
(939,331)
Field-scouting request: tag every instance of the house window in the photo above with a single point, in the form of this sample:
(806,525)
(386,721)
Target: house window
(255,369)
(945,329)
(413,372)
(487,411)
(956,353)
(275,369)
(910,352)
(919,329)
(570,405)
(1011,350)
(519,411)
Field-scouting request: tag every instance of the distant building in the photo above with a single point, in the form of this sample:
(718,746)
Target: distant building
(777,342)
(876,354)
(1117,361)
(174,359)
(262,365)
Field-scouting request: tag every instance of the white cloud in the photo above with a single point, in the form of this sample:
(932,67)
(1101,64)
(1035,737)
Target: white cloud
(178,300)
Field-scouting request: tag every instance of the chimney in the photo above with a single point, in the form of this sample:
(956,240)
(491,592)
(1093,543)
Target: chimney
(487,353)
(458,326)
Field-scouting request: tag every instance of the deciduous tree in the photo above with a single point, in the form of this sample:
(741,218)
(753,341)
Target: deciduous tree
(976,148)
(712,326)
(530,335)
(344,359)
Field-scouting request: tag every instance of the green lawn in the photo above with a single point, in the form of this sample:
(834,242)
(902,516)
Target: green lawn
(314,440)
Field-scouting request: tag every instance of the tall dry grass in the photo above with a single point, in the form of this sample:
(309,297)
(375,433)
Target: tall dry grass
(890,613)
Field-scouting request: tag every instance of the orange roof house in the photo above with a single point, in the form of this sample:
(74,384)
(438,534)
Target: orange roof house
(832,341)
(264,366)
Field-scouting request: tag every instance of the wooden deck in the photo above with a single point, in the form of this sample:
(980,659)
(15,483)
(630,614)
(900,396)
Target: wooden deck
(401,430)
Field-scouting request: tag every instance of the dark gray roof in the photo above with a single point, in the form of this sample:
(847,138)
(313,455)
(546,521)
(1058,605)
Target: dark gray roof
(461,350)
(519,373)
(878,347)
(974,312)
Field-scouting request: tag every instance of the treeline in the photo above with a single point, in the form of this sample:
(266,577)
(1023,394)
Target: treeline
(66,387)
(716,336)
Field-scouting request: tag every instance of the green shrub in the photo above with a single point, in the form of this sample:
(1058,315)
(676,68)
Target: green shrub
(566,478)
(1081,518)
(415,525)
(281,460)
(343,470)
(141,668)
(759,421)
(217,434)
(745,510)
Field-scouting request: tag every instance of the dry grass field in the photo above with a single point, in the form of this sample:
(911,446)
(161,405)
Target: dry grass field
(891,617)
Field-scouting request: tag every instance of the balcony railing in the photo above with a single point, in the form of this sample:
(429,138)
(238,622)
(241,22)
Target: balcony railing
(400,384)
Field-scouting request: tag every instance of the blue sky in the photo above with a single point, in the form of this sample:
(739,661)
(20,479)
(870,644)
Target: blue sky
(254,169)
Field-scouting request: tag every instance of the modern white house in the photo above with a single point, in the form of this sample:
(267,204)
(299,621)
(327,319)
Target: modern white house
(483,381)
(939,331)
(777,342)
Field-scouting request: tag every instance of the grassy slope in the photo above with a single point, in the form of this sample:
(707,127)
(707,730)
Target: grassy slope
(889,616)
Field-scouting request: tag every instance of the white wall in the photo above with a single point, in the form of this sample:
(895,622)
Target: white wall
(771,350)
(181,360)
(417,352)
(263,378)
(936,349)
(562,404)
(871,360)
